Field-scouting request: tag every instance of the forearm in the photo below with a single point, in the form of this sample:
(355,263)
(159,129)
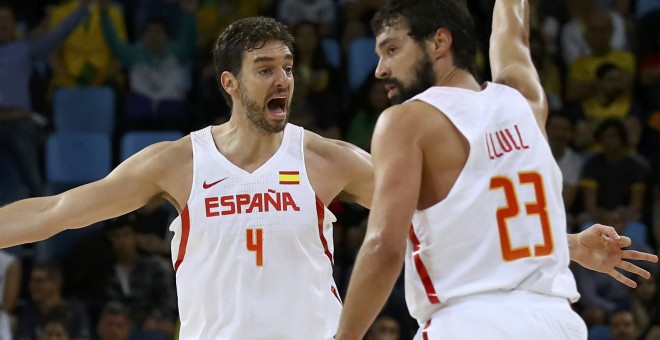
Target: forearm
(50,40)
(120,49)
(27,221)
(511,16)
(366,295)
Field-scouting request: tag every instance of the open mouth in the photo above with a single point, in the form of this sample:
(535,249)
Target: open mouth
(277,106)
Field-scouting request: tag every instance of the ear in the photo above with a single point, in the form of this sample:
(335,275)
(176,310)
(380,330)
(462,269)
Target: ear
(441,43)
(229,83)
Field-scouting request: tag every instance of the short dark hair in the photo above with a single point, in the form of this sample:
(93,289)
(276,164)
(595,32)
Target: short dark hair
(617,125)
(602,70)
(157,20)
(53,270)
(425,17)
(245,35)
(561,114)
(114,308)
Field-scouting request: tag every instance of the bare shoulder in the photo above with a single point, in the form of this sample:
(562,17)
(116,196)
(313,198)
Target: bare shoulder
(414,119)
(336,167)
(332,150)
(167,165)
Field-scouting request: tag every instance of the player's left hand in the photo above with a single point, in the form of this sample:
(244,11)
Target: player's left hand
(600,248)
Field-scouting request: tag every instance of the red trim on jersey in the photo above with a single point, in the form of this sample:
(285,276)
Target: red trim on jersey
(185,231)
(320,213)
(421,269)
(334,292)
(289,172)
(425,331)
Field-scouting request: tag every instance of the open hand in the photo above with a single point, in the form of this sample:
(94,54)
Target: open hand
(599,248)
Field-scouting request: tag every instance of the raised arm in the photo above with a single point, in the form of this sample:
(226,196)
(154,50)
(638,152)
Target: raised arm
(45,43)
(510,59)
(130,186)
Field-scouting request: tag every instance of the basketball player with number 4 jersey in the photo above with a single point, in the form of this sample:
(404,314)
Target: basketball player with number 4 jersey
(255,243)
(487,254)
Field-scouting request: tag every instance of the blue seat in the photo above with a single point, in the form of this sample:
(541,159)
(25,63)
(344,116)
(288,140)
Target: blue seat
(76,158)
(84,109)
(600,332)
(332,51)
(134,141)
(361,61)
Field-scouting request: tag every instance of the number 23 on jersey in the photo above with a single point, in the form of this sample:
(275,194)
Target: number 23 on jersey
(512,210)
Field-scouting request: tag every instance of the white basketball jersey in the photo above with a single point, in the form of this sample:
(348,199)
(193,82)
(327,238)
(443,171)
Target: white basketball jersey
(502,226)
(253,251)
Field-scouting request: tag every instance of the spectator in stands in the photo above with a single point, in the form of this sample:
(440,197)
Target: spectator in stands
(85,58)
(575,39)
(18,132)
(10,285)
(614,180)
(560,129)
(158,70)
(54,329)
(47,303)
(142,283)
(314,102)
(369,102)
(582,81)
(113,323)
(643,302)
(384,327)
(547,70)
(624,326)
(613,99)
(320,12)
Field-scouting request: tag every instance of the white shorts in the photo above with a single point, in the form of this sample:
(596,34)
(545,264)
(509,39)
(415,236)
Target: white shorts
(505,316)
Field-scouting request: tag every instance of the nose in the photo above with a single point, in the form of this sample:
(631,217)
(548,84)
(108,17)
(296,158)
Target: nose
(283,79)
(382,71)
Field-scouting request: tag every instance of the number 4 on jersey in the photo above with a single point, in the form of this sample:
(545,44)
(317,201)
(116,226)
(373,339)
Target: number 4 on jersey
(254,242)
(512,210)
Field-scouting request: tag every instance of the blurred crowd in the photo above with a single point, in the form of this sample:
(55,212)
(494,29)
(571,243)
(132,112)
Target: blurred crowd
(598,60)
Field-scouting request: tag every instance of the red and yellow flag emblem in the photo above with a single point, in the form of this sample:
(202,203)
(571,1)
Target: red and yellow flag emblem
(289,177)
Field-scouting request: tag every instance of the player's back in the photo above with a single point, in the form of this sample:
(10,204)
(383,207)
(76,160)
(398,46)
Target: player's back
(502,225)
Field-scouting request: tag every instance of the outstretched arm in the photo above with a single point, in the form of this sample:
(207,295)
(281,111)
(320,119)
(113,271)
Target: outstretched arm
(599,248)
(510,58)
(130,186)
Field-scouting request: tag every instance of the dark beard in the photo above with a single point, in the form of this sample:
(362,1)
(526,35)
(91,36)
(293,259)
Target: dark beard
(255,115)
(424,78)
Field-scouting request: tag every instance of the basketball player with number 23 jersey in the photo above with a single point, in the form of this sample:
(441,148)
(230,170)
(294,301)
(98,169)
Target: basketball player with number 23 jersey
(487,254)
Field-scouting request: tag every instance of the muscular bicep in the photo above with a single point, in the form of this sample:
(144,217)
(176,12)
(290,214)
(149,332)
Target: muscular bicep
(360,186)
(128,187)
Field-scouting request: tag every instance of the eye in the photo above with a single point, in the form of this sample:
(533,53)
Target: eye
(391,50)
(288,69)
(264,72)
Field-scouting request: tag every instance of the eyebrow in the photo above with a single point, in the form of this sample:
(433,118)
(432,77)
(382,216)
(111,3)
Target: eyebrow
(257,60)
(385,42)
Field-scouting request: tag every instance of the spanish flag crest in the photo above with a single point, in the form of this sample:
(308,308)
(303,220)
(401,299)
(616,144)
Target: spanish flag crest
(289,177)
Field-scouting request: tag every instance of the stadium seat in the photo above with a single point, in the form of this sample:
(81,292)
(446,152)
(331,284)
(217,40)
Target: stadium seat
(599,332)
(361,61)
(74,158)
(84,109)
(134,141)
(332,51)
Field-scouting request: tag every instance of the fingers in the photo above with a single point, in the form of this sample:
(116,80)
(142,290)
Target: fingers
(629,267)
(619,277)
(623,242)
(606,230)
(638,255)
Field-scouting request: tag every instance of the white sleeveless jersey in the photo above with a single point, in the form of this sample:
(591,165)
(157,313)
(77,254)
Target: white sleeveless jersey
(502,226)
(253,251)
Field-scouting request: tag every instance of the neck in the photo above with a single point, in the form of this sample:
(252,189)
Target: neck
(455,77)
(245,145)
